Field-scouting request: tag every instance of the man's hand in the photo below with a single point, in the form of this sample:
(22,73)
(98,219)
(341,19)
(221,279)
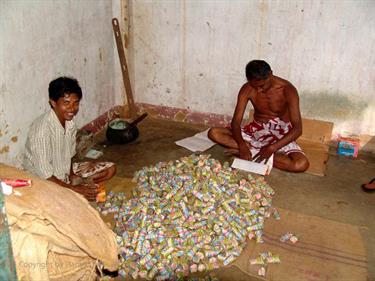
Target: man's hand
(244,152)
(75,180)
(89,191)
(264,153)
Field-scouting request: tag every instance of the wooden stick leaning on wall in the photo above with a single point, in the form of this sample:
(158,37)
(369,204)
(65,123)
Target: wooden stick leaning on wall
(124,69)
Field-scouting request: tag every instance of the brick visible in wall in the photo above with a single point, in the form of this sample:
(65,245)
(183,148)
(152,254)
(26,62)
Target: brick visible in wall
(100,122)
(184,115)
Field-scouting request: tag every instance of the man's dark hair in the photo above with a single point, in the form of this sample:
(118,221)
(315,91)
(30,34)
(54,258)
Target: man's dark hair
(64,85)
(257,70)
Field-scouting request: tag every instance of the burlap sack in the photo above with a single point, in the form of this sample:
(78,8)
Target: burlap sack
(56,234)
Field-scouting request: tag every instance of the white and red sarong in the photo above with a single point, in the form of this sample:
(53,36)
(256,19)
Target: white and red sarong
(259,135)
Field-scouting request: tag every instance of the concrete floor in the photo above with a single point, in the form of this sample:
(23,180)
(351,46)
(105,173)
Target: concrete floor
(337,196)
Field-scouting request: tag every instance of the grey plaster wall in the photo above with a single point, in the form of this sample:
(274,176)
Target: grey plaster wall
(41,40)
(192,54)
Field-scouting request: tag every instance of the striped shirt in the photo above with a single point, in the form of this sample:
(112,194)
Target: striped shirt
(50,147)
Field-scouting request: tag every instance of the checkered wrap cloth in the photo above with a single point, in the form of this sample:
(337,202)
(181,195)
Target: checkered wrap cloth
(259,135)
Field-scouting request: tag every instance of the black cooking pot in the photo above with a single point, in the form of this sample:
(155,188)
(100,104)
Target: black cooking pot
(120,131)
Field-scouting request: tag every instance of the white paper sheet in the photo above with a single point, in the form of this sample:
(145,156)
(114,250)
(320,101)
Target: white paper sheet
(254,167)
(197,143)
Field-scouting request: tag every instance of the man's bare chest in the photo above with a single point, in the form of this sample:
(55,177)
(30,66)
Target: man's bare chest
(274,101)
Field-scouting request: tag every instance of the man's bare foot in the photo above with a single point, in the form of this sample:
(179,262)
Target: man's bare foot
(89,191)
(231,152)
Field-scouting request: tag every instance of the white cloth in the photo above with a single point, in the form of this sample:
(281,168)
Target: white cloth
(49,147)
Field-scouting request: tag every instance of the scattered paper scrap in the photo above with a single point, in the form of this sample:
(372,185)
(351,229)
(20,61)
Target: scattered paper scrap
(197,143)
(94,154)
(289,237)
(257,260)
(266,258)
(293,239)
(263,260)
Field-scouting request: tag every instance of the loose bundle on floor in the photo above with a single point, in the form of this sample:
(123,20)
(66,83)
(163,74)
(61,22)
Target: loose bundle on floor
(188,215)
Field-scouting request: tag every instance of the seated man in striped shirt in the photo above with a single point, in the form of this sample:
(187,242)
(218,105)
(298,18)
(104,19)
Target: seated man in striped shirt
(51,144)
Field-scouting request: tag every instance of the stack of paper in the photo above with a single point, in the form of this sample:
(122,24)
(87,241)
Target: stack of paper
(254,167)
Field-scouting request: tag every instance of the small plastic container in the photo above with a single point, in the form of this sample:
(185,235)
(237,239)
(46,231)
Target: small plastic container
(348,146)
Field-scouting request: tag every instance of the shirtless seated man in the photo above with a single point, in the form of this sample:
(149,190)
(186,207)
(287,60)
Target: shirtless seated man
(277,121)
